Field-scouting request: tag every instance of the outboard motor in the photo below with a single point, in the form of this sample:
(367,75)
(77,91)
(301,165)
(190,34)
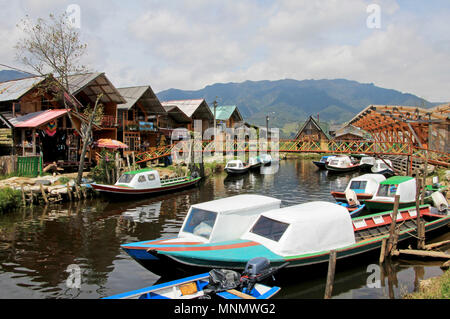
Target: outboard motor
(439,201)
(221,280)
(256,270)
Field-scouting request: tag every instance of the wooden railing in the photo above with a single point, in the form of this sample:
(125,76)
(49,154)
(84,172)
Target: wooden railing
(308,146)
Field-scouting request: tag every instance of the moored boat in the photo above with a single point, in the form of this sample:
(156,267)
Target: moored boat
(322,162)
(266,159)
(301,235)
(223,283)
(144,182)
(365,186)
(383,167)
(254,163)
(341,164)
(219,220)
(366,163)
(405,187)
(236,167)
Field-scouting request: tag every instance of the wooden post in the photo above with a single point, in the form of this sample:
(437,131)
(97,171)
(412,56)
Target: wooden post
(24,202)
(77,191)
(419,220)
(43,194)
(69,192)
(392,229)
(83,191)
(383,250)
(330,275)
(134,161)
(34,141)
(128,163)
(117,166)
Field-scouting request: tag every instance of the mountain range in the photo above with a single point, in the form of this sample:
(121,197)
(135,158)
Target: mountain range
(288,103)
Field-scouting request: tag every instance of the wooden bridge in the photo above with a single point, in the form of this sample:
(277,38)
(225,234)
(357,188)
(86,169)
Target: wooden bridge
(411,134)
(380,149)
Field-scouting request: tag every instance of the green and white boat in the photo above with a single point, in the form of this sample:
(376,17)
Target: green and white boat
(405,186)
(144,182)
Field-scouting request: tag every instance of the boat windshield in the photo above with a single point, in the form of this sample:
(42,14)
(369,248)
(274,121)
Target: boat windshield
(126,178)
(200,222)
(387,190)
(269,228)
(232,165)
(358,185)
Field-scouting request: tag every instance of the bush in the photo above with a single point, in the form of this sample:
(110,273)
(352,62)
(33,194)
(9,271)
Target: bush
(9,199)
(106,162)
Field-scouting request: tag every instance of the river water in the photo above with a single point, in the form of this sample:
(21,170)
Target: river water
(41,248)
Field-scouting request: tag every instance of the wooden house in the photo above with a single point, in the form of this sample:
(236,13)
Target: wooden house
(139,118)
(312,130)
(34,109)
(86,88)
(194,110)
(350,133)
(227,116)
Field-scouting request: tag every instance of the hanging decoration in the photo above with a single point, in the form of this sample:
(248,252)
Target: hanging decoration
(50,128)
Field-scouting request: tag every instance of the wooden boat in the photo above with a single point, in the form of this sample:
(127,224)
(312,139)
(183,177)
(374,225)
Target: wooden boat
(340,164)
(383,167)
(365,186)
(266,159)
(301,235)
(354,210)
(236,167)
(223,283)
(322,162)
(255,163)
(209,222)
(352,203)
(144,182)
(405,187)
(366,163)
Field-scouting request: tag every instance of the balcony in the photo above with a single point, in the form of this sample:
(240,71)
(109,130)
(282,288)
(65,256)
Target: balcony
(108,121)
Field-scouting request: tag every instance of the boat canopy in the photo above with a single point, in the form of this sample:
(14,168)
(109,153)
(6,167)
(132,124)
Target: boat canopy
(226,218)
(340,161)
(405,186)
(302,229)
(365,184)
(381,165)
(367,160)
(140,179)
(235,164)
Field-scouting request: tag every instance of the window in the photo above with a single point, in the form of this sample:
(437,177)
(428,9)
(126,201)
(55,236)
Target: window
(232,165)
(141,179)
(151,177)
(269,228)
(200,222)
(387,190)
(358,185)
(126,178)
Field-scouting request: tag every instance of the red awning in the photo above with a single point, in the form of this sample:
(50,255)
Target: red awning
(34,120)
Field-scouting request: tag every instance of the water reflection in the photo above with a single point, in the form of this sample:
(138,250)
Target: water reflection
(37,245)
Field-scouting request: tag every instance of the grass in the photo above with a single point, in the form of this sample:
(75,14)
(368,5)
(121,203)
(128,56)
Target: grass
(9,199)
(433,288)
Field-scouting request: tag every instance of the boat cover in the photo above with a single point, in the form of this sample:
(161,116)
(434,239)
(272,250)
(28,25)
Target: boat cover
(234,215)
(313,227)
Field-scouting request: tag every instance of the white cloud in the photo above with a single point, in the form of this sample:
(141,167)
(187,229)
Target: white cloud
(190,44)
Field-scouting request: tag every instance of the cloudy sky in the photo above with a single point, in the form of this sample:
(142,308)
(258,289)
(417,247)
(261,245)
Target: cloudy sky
(193,43)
